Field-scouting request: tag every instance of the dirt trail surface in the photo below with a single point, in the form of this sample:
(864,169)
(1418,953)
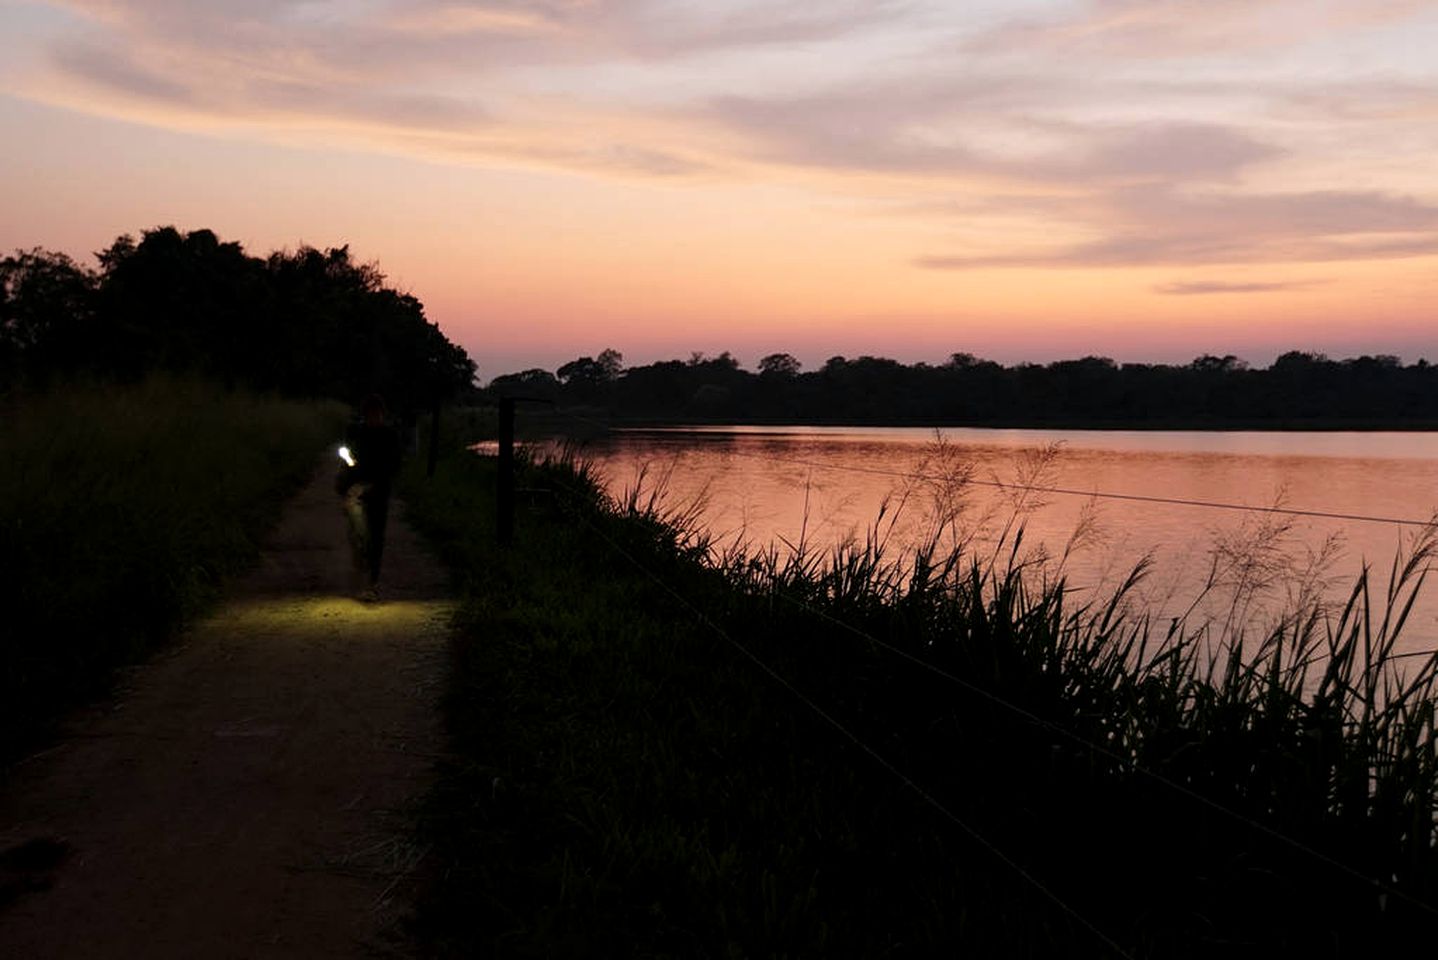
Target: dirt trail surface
(248,793)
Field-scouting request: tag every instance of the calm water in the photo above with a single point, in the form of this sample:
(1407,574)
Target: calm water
(822,485)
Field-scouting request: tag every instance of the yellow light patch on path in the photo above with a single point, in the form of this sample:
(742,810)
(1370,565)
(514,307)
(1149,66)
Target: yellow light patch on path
(247,794)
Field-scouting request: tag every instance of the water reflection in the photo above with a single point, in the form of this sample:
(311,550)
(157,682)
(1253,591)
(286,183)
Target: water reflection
(820,486)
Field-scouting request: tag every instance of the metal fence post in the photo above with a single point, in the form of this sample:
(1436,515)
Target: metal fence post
(504,498)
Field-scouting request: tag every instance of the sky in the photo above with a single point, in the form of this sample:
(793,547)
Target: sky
(1025,180)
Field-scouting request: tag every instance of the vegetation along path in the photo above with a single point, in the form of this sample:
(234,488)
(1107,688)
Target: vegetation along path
(247,793)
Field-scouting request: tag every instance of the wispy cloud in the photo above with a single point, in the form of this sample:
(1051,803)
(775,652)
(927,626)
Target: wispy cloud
(980,126)
(1153,29)
(1201,287)
(1365,101)
(1124,132)
(464,79)
(1163,226)
(114,70)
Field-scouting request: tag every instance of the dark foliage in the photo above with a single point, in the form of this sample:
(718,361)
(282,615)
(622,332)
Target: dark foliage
(304,323)
(1299,390)
(46,304)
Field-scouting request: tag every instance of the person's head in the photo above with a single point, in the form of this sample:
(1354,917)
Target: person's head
(372,411)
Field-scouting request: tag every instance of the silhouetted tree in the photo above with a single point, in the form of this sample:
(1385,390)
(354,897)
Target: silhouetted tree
(585,371)
(612,363)
(779,365)
(1212,391)
(1208,363)
(181,302)
(310,322)
(527,383)
(46,311)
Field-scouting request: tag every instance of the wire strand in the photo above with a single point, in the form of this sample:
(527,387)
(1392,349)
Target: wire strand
(1027,715)
(1099,494)
(1111,754)
(848,734)
(1060,491)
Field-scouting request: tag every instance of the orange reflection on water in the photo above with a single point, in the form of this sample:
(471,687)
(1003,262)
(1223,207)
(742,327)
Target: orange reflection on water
(820,486)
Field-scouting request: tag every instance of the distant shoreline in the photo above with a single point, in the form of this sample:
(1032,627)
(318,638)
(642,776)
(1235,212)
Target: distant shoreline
(598,418)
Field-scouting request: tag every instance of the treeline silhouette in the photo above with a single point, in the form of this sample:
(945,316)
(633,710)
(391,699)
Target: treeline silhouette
(305,323)
(1299,390)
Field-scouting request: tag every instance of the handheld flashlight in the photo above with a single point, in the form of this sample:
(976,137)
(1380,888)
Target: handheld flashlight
(346,457)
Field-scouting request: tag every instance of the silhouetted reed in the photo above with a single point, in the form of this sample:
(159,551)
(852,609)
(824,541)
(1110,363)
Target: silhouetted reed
(1192,785)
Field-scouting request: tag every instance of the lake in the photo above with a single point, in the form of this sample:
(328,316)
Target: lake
(782,486)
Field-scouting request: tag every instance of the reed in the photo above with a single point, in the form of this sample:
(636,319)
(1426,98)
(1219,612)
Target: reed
(121,511)
(1191,787)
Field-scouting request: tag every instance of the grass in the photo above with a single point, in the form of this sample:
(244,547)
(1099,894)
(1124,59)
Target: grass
(121,511)
(627,781)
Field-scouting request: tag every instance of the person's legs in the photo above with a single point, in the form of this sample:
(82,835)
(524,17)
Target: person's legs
(358,526)
(376,515)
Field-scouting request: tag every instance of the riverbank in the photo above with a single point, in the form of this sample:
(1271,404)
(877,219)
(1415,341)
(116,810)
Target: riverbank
(586,421)
(659,753)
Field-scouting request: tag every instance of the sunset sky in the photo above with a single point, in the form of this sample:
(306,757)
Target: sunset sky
(1021,180)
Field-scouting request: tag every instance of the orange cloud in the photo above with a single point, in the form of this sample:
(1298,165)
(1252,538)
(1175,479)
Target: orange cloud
(552,171)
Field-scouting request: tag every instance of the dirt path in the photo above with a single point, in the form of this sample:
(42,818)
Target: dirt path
(246,794)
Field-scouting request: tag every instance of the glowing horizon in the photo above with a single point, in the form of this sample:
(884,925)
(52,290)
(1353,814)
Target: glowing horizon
(1142,179)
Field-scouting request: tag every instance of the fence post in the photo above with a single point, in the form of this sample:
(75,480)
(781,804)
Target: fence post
(504,498)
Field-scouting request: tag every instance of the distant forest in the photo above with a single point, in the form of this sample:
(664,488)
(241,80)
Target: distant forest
(316,323)
(1300,390)
(306,323)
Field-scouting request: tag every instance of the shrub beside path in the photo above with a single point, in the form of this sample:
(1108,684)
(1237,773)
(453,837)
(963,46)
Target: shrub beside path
(247,793)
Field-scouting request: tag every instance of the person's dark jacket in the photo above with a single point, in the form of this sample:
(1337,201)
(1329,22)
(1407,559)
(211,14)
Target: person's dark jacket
(376,451)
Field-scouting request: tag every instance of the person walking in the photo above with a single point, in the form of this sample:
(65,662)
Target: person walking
(366,483)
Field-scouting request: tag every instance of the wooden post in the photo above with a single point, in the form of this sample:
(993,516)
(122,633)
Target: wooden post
(504,499)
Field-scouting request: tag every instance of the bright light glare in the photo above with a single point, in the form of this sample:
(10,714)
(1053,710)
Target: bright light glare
(345,456)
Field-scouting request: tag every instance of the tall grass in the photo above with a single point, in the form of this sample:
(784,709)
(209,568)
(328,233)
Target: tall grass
(121,510)
(1192,788)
